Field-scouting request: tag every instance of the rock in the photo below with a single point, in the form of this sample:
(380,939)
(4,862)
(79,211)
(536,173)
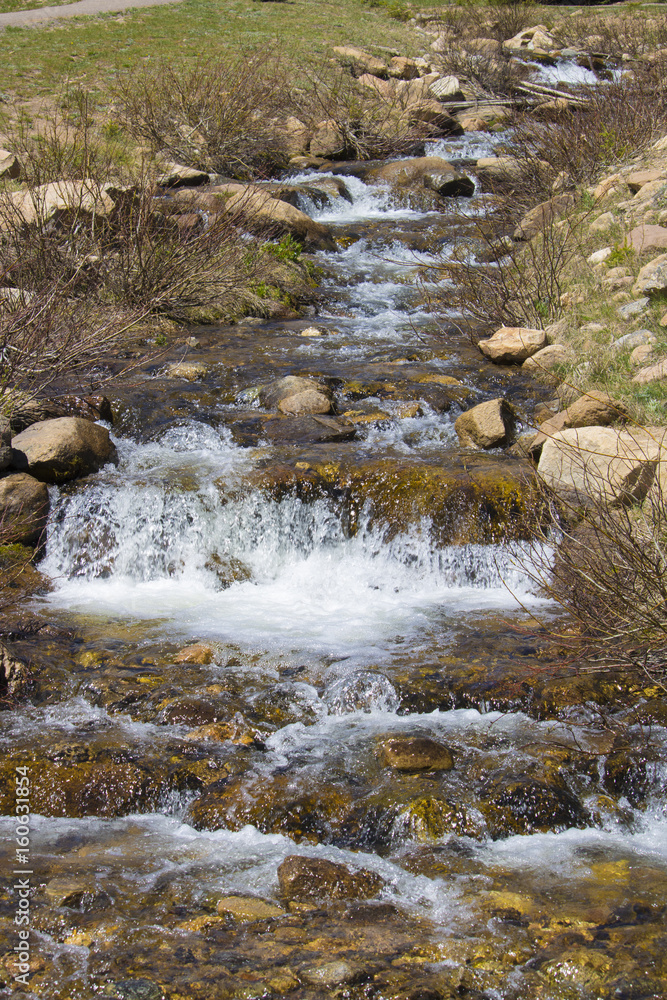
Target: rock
(600,255)
(592,409)
(188,370)
(60,198)
(293,394)
(538,38)
(639,178)
(361,61)
(644,238)
(15,676)
(417,754)
(65,448)
(246,908)
(29,411)
(295,136)
(652,279)
(640,355)
(199,653)
(134,989)
(176,175)
(423,171)
(303,879)
(488,425)
(512,345)
(543,215)
(447,88)
(637,338)
(329,974)
(312,429)
(547,358)
(327,141)
(632,309)
(527,804)
(603,223)
(385,88)
(10,165)
(24,509)
(281,217)
(654,373)
(499,169)
(5,443)
(402,68)
(599,462)
(432,113)
(76,894)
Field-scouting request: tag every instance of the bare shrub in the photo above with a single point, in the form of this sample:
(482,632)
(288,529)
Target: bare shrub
(222,115)
(628,33)
(618,120)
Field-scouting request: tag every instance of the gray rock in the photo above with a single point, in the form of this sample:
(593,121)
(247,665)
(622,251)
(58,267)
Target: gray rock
(635,339)
(632,309)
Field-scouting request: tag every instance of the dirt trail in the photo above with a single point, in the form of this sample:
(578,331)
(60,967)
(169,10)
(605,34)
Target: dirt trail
(26,18)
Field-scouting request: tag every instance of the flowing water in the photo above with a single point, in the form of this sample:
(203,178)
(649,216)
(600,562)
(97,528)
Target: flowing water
(255,621)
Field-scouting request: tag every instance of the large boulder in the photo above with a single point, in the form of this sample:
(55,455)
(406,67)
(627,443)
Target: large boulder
(65,448)
(61,198)
(645,238)
(488,425)
(535,40)
(303,879)
(176,175)
(601,463)
(262,211)
(296,396)
(512,345)
(499,169)
(593,409)
(430,172)
(432,113)
(24,509)
(546,359)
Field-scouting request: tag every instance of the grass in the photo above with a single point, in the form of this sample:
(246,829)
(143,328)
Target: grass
(91,51)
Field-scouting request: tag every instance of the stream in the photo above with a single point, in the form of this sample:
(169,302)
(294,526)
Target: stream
(252,619)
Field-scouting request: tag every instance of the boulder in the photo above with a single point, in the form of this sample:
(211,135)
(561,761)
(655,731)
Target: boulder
(191,371)
(361,61)
(512,345)
(297,396)
(432,113)
(327,141)
(499,169)
(303,879)
(639,178)
(176,175)
(652,279)
(10,165)
(447,88)
(417,754)
(310,429)
(65,448)
(60,198)
(540,217)
(488,425)
(654,373)
(645,238)
(607,465)
(431,172)
(402,68)
(546,359)
(385,88)
(536,39)
(24,509)
(590,410)
(281,217)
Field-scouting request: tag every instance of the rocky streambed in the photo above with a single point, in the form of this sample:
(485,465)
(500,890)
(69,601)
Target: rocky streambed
(292,717)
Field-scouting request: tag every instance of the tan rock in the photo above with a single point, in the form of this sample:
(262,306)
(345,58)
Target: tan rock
(639,178)
(65,448)
(540,217)
(422,171)
(600,462)
(608,186)
(385,88)
(360,60)
(296,136)
(246,909)
(327,141)
(546,359)
(79,198)
(511,345)
(488,425)
(303,879)
(402,68)
(531,39)
(407,753)
(279,392)
(654,373)
(281,217)
(652,279)
(308,401)
(643,239)
(188,370)
(10,165)
(199,653)
(603,223)
(640,355)
(500,169)
(432,113)
(24,509)
(178,175)
(592,409)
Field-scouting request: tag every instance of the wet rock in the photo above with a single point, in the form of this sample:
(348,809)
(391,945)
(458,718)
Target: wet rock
(512,345)
(543,215)
(329,974)
(304,879)
(15,676)
(282,390)
(191,371)
(77,894)
(24,509)
(246,909)
(417,753)
(134,989)
(614,466)
(191,711)
(199,653)
(307,429)
(65,448)
(524,804)
(431,172)
(487,425)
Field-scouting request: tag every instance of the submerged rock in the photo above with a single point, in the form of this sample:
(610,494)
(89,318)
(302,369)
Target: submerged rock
(304,879)
(417,753)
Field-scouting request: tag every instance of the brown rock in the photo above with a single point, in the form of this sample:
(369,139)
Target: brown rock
(540,217)
(307,402)
(10,165)
(417,754)
(24,509)
(327,141)
(431,112)
(422,171)
(594,409)
(402,68)
(488,425)
(281,390)
(512,345)
(65,448)
(643,239)
(500,169)
(245,909)
(198,653)
(652,279)
(654,373)
(79,198)
(304,879)
(280,216)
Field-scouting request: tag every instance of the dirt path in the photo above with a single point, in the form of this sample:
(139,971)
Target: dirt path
(26,18)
